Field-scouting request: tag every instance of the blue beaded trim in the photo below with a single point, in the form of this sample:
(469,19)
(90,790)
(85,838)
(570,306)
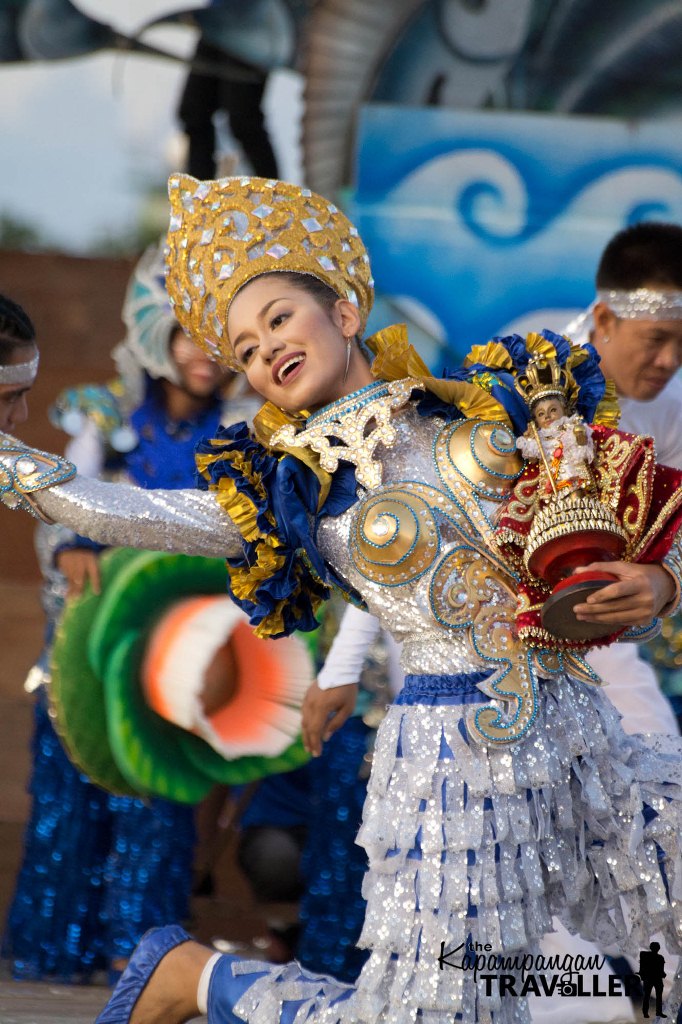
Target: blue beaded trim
(50,476)
(473,533)
(477,490)
(357,399)
(503,740)
(637,632)
(502,451)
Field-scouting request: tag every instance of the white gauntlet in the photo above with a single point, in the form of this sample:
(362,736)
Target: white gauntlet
(24,471)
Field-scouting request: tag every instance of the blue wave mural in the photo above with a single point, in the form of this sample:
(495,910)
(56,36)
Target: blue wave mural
(491,221)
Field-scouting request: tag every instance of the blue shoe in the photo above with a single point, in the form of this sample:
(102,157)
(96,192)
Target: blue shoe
(148,954)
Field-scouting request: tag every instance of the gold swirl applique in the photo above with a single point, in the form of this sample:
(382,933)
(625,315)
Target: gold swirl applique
(638,498)
(477,460)
(394,537)
(609,467)
(481,455)
(520,507)
(462,589)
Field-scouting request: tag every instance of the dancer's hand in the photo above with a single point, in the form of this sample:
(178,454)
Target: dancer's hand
(640,593)
(325,711)
(79,565)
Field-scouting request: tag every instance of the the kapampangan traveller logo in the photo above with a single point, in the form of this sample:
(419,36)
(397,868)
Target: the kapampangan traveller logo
(524,974)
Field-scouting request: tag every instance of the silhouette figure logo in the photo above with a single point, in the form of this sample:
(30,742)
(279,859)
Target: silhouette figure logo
(652,973)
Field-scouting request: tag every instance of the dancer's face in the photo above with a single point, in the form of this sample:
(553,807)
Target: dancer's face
(293,349)
(200,375)
(13,404)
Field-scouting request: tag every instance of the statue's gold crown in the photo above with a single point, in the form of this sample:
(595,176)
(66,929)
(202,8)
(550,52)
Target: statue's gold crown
(224,233)
(545,378)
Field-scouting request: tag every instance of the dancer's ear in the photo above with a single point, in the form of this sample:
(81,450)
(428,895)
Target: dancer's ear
(347,318)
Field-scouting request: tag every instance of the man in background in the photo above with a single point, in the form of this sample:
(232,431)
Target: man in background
(18,364)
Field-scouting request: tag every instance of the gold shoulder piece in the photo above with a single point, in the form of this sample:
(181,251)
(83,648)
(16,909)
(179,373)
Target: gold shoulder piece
(396,359)
(492,354)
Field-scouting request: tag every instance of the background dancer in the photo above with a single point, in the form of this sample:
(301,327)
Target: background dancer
(98,870)
(18,363)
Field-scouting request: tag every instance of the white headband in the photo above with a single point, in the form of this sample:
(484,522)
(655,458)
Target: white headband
(643,303)
(20,373)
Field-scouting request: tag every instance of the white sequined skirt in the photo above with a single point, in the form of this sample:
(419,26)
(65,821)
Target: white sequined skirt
(476,847)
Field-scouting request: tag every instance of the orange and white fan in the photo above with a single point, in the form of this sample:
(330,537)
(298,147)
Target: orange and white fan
(206,671)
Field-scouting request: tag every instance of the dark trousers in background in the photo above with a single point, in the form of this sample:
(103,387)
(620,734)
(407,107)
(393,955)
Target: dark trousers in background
(204,95)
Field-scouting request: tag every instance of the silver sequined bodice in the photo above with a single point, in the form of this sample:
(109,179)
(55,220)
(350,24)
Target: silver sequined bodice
(405,607)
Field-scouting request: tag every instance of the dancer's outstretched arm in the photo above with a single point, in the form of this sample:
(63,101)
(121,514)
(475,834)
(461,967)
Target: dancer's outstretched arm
(186,521)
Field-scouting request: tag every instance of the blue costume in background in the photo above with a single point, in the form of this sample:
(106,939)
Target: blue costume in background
(332,907)
(320,807)
(99,870)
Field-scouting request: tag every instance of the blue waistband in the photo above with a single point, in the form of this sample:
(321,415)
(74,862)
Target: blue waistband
(431,689)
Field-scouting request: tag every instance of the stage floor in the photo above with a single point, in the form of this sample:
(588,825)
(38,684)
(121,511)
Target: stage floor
(44,1003)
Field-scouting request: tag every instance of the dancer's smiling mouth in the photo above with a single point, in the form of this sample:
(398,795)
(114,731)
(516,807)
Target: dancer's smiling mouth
(287,367)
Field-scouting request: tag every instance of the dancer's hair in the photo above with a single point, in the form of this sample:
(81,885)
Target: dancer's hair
(649,253)
(16,329)
(321,292)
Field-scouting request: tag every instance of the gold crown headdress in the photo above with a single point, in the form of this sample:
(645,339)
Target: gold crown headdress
(545,378)
(224,233)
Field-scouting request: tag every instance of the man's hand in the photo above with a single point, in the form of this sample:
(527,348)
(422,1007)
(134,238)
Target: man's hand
(325,711)
(638,595)
(79,565)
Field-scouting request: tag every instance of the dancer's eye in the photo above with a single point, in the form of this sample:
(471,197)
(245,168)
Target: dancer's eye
(278,320)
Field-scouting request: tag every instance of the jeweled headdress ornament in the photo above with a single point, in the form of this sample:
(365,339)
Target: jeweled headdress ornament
(545,378)
(150,324)
(224,233)
(643,303)
(635,304)
(20,374)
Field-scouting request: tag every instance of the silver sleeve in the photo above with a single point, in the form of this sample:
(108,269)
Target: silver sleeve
(189,522)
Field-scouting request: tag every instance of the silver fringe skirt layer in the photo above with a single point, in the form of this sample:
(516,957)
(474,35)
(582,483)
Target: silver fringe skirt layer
(475,848)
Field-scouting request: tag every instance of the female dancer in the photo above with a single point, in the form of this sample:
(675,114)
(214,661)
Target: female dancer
(483,818)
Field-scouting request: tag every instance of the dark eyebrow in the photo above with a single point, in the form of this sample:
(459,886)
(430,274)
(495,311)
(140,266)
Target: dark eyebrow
(261,316)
